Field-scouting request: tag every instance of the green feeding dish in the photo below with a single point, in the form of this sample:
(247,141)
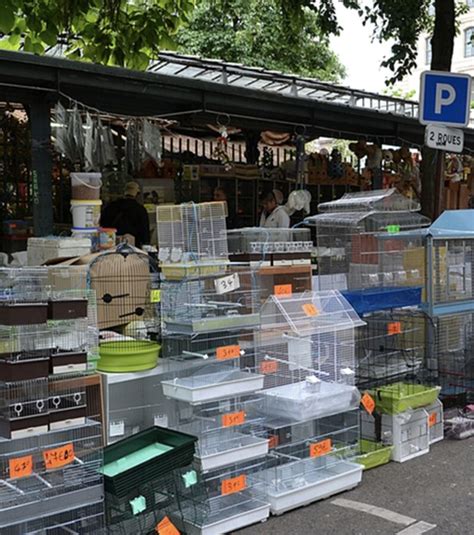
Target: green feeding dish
(121,356)
(400,397)
(373,454)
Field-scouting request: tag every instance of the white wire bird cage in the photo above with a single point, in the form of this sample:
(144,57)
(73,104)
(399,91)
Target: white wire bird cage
(261,241)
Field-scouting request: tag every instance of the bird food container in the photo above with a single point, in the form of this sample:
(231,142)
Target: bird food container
(85,214)
(86,186)
(107,238)
(91,233)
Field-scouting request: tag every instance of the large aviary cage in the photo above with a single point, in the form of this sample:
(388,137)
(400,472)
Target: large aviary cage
(126,283)
(306,349)
(361,242)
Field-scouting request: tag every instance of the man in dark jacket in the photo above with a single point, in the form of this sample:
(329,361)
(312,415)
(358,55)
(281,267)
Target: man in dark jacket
(128,216)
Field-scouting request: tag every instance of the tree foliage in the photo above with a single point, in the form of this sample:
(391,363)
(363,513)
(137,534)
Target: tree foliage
(115,32)
(261,33)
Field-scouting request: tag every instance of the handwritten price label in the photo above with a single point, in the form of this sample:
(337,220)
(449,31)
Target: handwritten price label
(318,449)
(268,366)
(310,310)
(233,418)
(233,485)
(368,403)
(59,457)
(227,284)
(283,290)
(227,352)
(21,467)
(394,327)
(432,419)
(155,296)
(166,527)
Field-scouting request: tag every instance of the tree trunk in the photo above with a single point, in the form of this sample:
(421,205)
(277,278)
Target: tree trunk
(442,45)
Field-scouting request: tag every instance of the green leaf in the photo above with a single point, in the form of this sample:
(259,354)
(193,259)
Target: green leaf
(6,45)
(167,43)
(7,19)
(14,39)
(49,37)
(28,44)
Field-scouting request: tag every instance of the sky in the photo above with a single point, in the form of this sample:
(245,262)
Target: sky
(358,53)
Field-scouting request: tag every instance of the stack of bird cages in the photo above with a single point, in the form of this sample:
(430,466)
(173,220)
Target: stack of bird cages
(306,352)
(369,242)
(192,238)
(126,284)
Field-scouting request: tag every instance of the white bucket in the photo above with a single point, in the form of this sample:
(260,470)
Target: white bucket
(85,214)
(86,186)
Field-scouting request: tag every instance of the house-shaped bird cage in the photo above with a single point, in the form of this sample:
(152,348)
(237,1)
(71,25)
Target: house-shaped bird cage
(362,245)
(126,283)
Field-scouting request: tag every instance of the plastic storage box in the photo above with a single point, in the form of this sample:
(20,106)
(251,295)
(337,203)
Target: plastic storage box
(400,397)
(373,454)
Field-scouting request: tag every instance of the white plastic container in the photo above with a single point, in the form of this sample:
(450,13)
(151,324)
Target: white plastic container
(86,186)
(42,249)
(85,214)
(91,234)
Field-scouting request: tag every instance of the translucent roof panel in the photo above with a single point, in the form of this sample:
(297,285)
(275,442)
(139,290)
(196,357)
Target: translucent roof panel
(309,313)
(454,224)
(366,201)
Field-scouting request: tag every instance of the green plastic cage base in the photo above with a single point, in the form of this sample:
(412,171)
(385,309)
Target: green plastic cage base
(400,397)
(373,454)
(128,356)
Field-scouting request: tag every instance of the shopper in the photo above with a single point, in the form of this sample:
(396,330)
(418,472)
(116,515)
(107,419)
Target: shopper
(220,195)
(128,216)
(273,214)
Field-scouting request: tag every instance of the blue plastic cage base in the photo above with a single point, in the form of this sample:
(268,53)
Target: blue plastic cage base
(375,299)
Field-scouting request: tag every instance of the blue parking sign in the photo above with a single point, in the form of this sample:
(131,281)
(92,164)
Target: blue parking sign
(445,98)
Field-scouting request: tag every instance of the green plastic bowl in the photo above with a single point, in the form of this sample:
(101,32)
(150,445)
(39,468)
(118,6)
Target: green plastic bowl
(124,356)
(400,397)
(373,454)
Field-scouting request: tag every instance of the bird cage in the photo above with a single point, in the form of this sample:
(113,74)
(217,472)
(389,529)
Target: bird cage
(54,472)
(230,431)
(211,303)
(126,284)
(192,233)
(262,242)
(450,263)
(70,340)
(305,349)
(67,401)
(233,500)
(390,348)
(310,461)
(382,200)
(22,280)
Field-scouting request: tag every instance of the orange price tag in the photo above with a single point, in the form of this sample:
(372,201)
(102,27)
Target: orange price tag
(268,366)
(233,418)
(432,419)
(234,484)
(368,403)
(283,290)
(166,527)
(21,466)
(394,327)
(59,457)
(227,352)
(310,310)
(273,441)
(318,449)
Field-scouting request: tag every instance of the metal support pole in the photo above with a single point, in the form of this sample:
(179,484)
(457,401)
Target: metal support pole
(41,165)
(439,185)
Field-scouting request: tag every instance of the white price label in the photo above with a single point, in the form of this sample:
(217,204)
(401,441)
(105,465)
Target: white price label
(117,429)
(227,284)
(161,420)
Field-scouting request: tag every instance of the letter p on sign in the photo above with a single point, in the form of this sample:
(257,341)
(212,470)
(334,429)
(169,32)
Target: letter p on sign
(445,99)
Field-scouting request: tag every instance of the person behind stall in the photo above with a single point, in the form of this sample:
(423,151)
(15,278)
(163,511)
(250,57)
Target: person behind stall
(273,214)
(128,216)
(220,195)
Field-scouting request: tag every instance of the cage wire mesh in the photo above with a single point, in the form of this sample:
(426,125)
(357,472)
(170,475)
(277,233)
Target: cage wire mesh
(262,241)
(126,283)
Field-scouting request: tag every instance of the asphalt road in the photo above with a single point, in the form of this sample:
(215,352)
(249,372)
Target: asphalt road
(436,489)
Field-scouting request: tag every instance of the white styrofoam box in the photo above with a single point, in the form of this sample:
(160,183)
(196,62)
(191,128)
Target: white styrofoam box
(408,433)
(297,401)
(435,421)
(314,486)
(212,386)
(41,250)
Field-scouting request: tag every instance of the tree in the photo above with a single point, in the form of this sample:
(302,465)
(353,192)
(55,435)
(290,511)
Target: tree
(114,32)
(257,33)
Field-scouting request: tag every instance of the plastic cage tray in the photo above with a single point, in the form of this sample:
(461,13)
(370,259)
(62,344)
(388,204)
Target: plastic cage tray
(145,456)
(300,488)
(375,299)
(213,386)
(373,454)
(296,402)
(213,324)
(400,397)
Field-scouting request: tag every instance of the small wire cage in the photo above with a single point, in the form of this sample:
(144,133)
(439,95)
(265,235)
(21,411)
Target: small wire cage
(22,281)
(192,233)
(263,241)
(67,401)
(126,284)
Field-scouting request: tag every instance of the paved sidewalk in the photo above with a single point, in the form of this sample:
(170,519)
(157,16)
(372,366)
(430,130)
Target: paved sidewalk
(433,494)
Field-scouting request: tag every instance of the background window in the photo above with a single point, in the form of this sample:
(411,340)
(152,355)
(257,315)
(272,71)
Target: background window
(470,3)
(469,42)
(428,51)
